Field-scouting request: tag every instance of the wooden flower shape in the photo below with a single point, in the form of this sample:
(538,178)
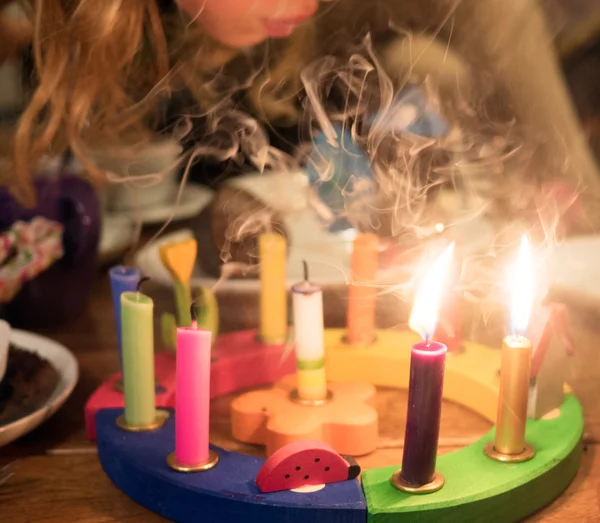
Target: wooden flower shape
(348,422)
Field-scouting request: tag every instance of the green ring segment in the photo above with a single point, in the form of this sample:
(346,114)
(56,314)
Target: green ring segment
(478,488)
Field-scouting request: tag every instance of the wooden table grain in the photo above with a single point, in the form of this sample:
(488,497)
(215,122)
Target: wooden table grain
(53,474)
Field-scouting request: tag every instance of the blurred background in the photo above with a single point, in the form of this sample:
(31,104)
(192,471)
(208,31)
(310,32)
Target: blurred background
(492,127)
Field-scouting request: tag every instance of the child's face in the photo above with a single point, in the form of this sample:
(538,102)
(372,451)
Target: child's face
(241,23)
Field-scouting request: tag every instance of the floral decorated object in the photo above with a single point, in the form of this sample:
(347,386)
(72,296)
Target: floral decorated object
(341,173)
(179,258)
(26,250)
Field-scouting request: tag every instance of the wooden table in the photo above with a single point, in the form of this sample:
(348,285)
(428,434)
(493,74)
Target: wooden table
(56,475)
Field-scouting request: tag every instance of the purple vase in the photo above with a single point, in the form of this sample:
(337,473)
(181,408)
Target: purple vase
(59,294)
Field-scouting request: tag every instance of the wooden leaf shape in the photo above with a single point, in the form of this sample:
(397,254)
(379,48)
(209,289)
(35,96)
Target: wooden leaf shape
(179,258)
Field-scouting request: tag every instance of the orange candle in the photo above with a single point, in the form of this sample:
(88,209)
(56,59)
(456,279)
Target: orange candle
(361,294)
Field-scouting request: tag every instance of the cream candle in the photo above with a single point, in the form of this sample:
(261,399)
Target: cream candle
(309,333)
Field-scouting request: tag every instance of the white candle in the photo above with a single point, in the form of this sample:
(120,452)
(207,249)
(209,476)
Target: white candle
(309,332)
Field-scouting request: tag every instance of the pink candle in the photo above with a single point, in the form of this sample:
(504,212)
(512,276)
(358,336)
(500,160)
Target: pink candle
(193,396)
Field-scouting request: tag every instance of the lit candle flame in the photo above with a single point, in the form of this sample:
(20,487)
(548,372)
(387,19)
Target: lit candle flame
(426,307)
(521,288)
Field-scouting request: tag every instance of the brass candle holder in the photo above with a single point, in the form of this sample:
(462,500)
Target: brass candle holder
(213,459)
(295,397)
(346,341)
(272,341)
(434,485)
(161,418)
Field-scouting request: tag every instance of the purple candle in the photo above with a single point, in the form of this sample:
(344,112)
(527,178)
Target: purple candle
(122,279)
(426,382)
(427,361)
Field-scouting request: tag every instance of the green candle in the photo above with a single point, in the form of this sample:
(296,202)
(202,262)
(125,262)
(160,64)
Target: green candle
(138,359)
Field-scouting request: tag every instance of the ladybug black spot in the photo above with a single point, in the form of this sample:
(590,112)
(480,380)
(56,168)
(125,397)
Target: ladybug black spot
(306,477)
(326,469)
(297,468)
(353,471)
(317,460)
(287,476)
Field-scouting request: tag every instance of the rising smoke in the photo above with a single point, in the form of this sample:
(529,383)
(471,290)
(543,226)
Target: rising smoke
(440,147)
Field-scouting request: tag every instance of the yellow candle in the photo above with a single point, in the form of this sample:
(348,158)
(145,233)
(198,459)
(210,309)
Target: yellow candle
(509,443)
(273,289)
(514,390)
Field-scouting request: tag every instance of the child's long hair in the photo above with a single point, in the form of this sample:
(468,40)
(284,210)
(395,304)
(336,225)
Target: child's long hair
(102,69)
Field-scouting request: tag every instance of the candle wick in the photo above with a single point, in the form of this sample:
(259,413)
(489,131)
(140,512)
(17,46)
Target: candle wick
(305,265)
(141,282)
(193,314)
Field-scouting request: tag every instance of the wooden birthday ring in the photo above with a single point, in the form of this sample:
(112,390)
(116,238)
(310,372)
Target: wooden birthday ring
(476,488)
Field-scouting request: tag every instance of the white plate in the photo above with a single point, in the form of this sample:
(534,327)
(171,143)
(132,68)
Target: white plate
(116,237)
(66,365)
(328,255)
(194,198)
(282,191)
